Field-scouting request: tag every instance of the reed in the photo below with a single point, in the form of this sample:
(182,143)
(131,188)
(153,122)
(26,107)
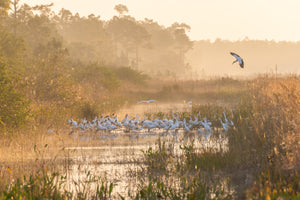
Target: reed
(260,160)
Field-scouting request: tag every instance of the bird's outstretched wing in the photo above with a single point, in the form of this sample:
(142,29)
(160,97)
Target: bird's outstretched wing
(239,59)
(235,55)
(148,101)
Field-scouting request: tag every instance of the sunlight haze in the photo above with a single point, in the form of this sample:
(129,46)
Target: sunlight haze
(149,99)
(232,19)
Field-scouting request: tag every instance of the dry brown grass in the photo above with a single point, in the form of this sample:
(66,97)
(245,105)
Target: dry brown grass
(263,145)
(265,142)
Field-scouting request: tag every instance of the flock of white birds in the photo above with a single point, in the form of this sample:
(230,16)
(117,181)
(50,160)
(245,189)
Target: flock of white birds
(129,124)
(134,124)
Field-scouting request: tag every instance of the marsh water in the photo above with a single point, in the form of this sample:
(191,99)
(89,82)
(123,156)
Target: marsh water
(119,157)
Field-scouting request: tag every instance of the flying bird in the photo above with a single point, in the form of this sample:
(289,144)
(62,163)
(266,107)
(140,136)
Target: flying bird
(148,101)
(238,59)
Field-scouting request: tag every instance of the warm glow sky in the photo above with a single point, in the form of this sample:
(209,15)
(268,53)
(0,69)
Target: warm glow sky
(209,19)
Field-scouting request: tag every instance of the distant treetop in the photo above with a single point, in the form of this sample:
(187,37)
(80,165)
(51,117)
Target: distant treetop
(121,9)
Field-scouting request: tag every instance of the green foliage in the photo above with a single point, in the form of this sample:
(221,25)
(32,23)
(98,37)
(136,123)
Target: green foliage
(11,46)
(157,159)
(36,30)
(84,187)
(48,78)
(55,89)
(14,107)
(208,159)
(53,53)
(127,31)
(39,185)
(96,75)
(128,74)
(34,40)
(109,80)
(43,185)
(195,188)
(190,172)
(158,190)
(88,110)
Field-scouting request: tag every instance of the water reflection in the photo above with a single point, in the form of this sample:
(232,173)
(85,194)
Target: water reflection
(121,162)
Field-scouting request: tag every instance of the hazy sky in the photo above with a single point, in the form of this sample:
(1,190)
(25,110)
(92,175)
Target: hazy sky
(209,19)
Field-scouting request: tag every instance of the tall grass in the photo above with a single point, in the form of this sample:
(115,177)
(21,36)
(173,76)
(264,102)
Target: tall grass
(265,138)
(263,156)
(267,122)
(261,161)
(44,185)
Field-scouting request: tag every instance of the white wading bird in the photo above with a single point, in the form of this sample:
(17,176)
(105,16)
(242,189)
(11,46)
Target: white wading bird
(238,59)
(148,101)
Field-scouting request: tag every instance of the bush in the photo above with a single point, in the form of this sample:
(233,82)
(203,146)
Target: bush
(128,74)
(98,76)
(14,107)
(88,110)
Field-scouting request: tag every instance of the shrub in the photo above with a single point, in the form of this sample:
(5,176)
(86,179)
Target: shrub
(88,110)
(128,74)
(97,76)
(14,107)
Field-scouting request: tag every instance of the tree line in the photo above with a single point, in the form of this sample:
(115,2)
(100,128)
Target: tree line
(52,63)
(120,41)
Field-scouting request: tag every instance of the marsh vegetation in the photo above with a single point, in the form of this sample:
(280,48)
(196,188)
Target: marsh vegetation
(51,73)
(255,158)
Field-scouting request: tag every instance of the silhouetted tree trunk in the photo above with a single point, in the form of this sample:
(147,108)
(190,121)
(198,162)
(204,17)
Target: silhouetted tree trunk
(137,57)
(15,10)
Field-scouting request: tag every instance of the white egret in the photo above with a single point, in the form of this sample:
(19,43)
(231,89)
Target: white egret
(185,126)
(224,125)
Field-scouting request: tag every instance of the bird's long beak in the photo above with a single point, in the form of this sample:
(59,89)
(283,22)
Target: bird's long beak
(234,61)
